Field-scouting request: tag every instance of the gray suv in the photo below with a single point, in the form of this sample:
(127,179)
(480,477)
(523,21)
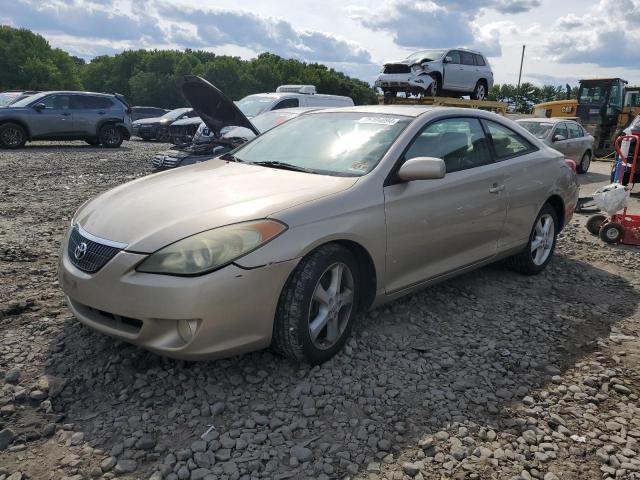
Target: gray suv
(97,118)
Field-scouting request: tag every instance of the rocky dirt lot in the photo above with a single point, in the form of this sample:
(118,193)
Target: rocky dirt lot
(491,375)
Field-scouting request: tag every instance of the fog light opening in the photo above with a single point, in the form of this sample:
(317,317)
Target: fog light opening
(187,329)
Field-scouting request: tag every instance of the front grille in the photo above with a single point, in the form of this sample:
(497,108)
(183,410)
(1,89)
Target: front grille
(397,68)
(88,255)
(163,161)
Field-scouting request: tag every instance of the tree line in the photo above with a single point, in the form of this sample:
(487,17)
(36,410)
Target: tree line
(148,77)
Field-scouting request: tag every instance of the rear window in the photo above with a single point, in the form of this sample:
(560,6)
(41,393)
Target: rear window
(87,102)
(467,58)
(575,130)
(506,142)
(480,60)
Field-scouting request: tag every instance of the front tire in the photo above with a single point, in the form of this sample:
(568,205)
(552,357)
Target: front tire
(542,243)
(110,136)
(12,136)
(585,163)
(480,91)
(317,306)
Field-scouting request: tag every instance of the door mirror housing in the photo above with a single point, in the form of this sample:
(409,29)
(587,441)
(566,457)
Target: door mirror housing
(558,138)
(422,168)
(448,59)
(39,107)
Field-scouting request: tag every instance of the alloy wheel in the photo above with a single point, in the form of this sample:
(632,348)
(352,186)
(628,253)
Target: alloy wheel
(586,162)
(480,93)
(110,136)
(543,239)
(11,137)
(331,306)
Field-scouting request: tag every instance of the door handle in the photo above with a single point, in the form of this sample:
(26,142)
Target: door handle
(101,113)
(495,188)
(66,114)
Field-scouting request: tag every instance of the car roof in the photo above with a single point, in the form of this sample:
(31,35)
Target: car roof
(77,92)
(292,110)
(276,95)
(545,120)
(404,110)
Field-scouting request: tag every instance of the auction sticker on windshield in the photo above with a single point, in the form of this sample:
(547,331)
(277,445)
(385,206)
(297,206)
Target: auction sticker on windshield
(379,120)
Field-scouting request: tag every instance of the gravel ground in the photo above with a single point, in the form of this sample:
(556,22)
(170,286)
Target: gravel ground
(491,375)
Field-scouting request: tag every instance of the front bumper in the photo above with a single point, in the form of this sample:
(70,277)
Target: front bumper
(234,307)
(145,131)
(394,81)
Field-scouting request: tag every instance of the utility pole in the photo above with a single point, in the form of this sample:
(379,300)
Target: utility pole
(519,77)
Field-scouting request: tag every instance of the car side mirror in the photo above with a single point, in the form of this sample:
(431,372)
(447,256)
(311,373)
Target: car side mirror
(448,59)
(558,138)
(422,168)
(39,107)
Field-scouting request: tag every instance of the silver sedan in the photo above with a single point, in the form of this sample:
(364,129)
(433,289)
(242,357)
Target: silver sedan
(282,241)
(566,136)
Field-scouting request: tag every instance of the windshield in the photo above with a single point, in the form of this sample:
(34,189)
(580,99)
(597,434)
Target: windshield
(254,104)
(27,100)
(173,114)
(346,144)
(268,120)
(8,97)
(592,95)
(426,54)
(539,129)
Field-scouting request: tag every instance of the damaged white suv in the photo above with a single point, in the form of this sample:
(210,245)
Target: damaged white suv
(455,72)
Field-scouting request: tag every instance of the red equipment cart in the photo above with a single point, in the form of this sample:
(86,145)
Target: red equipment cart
(623,227)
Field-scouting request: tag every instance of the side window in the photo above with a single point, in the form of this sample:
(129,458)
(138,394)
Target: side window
(460,142)
(575,131)
(58,102)
(467,58)
(561,129)
(506,142)
(287,103)
(479,60)
(455,56)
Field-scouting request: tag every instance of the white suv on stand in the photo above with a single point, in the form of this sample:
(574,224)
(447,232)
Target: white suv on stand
(454,72)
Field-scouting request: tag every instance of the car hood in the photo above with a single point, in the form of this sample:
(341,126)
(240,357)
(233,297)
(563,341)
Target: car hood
(188,121)
(213,107)
(147,121)
(154,211)
(401,62)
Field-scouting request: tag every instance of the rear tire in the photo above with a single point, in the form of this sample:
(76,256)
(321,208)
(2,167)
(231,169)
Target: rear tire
(480,91)
(542,243)
(595,223)
(585,163)
(12,136)
(317,306)
(612,233)
(110,136)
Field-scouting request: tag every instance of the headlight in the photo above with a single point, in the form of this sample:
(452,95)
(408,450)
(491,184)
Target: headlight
(206,251)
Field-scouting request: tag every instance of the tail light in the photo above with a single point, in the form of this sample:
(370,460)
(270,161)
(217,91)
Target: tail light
(571,164)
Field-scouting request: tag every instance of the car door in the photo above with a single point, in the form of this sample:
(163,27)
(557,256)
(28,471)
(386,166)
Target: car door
(560,139)
(438,226)
(577,141)
(470,72)
(523,167)
(453,72)
(88,110)
(55,119)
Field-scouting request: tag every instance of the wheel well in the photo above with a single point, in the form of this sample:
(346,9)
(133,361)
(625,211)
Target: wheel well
(558,205)
(21,123)
(367,272)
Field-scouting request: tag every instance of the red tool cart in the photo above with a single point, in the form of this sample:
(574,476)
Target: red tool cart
(621,227)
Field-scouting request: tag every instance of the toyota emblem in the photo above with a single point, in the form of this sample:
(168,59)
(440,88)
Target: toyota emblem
(80,251)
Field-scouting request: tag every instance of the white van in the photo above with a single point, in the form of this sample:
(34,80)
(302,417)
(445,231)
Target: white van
(290,96)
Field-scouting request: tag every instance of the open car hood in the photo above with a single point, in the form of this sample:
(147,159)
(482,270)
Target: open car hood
(215,110)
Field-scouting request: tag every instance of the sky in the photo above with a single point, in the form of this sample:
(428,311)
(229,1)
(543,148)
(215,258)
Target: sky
(566,40)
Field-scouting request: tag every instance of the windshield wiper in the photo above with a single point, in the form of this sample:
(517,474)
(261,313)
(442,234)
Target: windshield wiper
(230,158)
(284,166)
